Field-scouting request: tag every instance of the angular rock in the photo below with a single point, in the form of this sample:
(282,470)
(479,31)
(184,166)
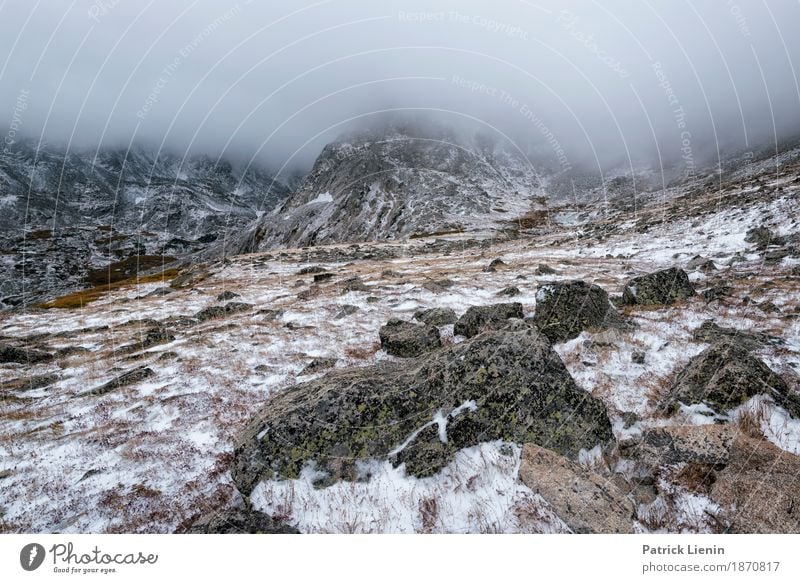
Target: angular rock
(762,237)
(129,378)
(311,270)
(586,501)
(724,376)
(545,270)
(710,331)
(346,310)
(565,309)
(436,316)
(663,287)
(214,312)
(407,340)
(698,262)
(240,521)
(227,295)
(509,291)
(507,385)
(758,488)
(702,444)
(494,264)
(318,365)
(478,319)
(353,284)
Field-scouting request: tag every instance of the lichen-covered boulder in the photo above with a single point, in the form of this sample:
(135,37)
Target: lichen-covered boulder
(565,309)
(479,319)
(724,376)
(663,287)
(407,340)
(503,385)
(436,316)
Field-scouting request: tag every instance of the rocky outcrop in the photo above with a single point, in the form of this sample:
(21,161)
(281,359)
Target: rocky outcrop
(481,318)
(240,521)
(724,376)
(129,378)
(565,309)
(23,355)
(436,316)
(407,340)
(758,488)
(507,385)
(663,287)
(586,501)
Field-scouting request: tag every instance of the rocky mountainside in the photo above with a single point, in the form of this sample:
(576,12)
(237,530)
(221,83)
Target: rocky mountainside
(402,181)
(67,217)
(639,373)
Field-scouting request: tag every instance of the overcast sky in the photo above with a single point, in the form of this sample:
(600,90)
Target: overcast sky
(275,79)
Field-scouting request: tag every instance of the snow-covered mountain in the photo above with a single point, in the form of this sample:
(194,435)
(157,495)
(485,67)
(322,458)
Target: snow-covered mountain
(399,182)
(66,214)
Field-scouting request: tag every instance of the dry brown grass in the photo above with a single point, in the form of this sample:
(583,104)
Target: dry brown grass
(84,297)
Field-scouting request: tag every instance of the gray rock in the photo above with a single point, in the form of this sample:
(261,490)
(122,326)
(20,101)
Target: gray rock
(507,385)
(724,376)
(545,270)
(701,444)
(436,316)
(23,355)
(478,319)
(226,296)
(318,365)
(214,312)
(663,287)
(240,521)
(311,269)
(494,265)
(565,309)
(407,340)
(762,237)
(129,378)
(510,291)
(346,310)
(354,284)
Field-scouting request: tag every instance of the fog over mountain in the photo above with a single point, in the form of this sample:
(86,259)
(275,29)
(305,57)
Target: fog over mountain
(584,83)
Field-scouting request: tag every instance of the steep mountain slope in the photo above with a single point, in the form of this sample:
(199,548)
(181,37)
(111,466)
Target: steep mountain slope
(63,215)
(404,181)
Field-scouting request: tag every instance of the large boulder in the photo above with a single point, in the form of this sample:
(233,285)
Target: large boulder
(240,521)
(758,488)
(663,287)
(724,376)
(478,319)
(503,385)
(407,340)
(586,501)
(565,309)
